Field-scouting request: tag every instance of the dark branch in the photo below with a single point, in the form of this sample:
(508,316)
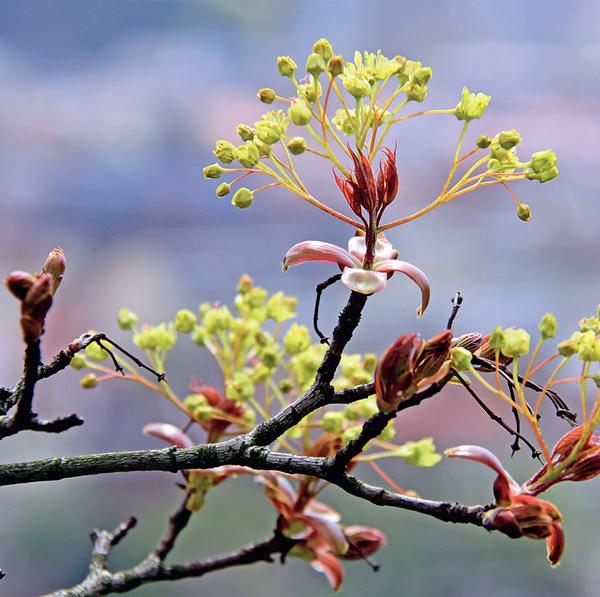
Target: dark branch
(320,288)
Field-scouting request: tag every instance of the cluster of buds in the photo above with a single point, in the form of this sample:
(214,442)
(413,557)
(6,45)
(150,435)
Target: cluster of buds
(35,292)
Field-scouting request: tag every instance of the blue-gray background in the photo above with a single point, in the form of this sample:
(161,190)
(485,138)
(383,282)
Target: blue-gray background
(109,109)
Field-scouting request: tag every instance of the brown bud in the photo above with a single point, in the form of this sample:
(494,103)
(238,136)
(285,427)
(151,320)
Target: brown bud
(19,283)
(435,353)
(362,542)
(470,342)
(55,265)
(35,306)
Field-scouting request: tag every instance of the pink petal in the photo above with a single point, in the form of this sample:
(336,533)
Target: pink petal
(329,532)
(413,272)
(505,485)
(315,250)
(364,281)
(555,544)
(170,434)
(331,567)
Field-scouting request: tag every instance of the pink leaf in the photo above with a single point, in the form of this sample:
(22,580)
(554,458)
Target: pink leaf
(170,434)
(315,250)
(413,272)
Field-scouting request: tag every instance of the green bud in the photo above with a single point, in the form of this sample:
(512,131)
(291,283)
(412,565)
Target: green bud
(516,343)
(78,362)
(567,348)
(542,166)
(351,433)
(297,145)
(589,351)
(193,401)
(415,93)
(89,381)
(299,113)
(286,386)
(333,422)
(245,132)
(362,409)
(242,198)
(460,358)
(497,339)
(260,374)
(369,361)
(212,171)
(297,339)
(247,154)
(264,149)
(198,335)
(419,453)
(590,324)
(344,121)
(286,66)
(268,131)
(185,321)
(223,190)
(126,319)
(315,65)
(281,307)
(471,105)
(159,337)
(245,284)
(357,85)
(239,388)
(547,326)
(224,151)
(335,66)
(509,139)
(483,141)
(95,352)
(324,48)
(249,417)
(270,356)
(204,308)
(524,212)
(217,320)
(266,95)
(309,92)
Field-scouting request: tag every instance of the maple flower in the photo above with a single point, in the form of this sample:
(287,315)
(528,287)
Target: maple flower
(517,512)
(356,274)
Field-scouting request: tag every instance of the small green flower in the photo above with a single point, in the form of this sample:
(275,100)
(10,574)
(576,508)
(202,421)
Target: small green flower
(483,141)
(315,64)
(509,139)
(266,95)
(297,339)
(126,319)
(217,320)
(299,113)
(344,121)
(245,132)
(160,337)
(324,48)
(471,105)
(351,433)
(542,166)
(548,326)
(389,432)
(247,154)
(212,171)
(516,343)
(419,453)
(78,362)
(460,358)
(309,92)
(497,339)
(271,127)
(95,352)
(198,335)
(357,85)
(286,66)
(333,422)
(88,382)
(242,198)
(224,151)
(281,307)
(297,145)
(240,388)
(185,321)
(223,190)
(524,212)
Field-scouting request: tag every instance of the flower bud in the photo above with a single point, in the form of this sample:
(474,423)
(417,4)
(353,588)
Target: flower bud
(362,542)
(242,198)
(460,358)
(497,339)
(357,85)
(281,307)
(19,283)
(55,265)
(245,284)
(567,348)
(89,381)
(268,131)
(245,132)
(222,190)
(213,171)
(198,335)
(299,113)
(297,339)
(264,149)
(297,145)
(239,388)
(333,422)
(95,352)
(286,66)
(266,95)
(483,141)
(335,66)
(126,319)
(185,321)
(224,151)
(315,65)
(509,139)
(471,105)
(516,343)
(247,154)
(524,212)
(548,326)
(542,166)
(78,362)
(309,92)
(324,48)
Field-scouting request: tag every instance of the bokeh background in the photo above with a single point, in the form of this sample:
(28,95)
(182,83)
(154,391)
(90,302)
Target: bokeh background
(109,110)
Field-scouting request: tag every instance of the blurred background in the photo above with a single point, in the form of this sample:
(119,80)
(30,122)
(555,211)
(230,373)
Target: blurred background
(108,112)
